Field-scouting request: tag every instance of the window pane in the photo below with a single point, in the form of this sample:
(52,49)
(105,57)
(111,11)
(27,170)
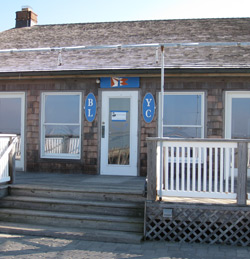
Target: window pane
(182,132)
(10,115)
(62,108)
(62,139)
(10,120)
(240,118)
(119,131)
(182,110)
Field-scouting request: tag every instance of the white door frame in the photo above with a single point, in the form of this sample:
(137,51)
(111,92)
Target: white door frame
(132,168)
(21,95)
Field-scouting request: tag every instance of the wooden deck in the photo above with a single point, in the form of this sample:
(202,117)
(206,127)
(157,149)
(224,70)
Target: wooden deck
(80,181)
(129,183)
(207,201)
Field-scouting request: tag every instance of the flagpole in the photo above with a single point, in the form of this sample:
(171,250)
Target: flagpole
(161,121)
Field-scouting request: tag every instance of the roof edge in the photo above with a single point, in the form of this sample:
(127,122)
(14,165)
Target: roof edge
(144,20)
(156,72)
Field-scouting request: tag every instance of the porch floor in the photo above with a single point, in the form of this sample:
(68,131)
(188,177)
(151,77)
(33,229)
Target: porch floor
(128,183)
(205,201)
(80,181)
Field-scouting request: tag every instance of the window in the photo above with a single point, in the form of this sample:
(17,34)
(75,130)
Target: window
(183,115)
(237,115)
(12,113)
(61,125)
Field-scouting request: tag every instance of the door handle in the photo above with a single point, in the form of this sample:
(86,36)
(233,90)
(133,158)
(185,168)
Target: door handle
(103,131)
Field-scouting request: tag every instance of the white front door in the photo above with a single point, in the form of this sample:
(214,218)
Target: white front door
(119,133)
(12,106)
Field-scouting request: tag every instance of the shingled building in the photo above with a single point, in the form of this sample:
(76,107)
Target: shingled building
(81,110)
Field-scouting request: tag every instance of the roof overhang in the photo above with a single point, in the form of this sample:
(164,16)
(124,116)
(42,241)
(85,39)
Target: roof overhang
(154,72)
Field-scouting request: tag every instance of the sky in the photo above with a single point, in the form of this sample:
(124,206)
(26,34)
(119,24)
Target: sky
(81,11)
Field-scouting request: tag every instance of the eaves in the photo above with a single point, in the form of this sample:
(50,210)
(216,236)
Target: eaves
(143,72)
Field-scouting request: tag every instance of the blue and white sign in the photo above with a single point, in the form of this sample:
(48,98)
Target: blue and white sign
(120,82)
(148,107)
(90,107)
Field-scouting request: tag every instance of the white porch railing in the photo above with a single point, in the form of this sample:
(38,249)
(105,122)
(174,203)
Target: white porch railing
(59,145)
(201,168)
(7,157)
(4,141)
(198,169)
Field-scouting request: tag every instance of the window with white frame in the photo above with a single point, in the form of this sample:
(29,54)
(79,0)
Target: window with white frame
(61,125)
(183,115)
(237,116)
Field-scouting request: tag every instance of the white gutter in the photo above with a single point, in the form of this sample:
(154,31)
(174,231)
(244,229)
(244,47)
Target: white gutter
(118,46)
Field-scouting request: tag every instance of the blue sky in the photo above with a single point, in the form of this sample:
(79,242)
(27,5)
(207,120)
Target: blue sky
(80,11)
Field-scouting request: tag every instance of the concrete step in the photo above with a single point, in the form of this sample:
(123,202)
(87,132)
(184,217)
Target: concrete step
(70,233)
(77,220)
(114,208)
(87,193)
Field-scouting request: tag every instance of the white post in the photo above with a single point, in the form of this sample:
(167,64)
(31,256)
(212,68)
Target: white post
(161,120)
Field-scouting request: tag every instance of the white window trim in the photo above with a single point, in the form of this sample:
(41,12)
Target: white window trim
(202,126)
(229,95)
(42,137)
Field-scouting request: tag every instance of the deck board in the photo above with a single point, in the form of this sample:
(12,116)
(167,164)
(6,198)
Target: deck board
(84,181)
(206,201)
(80,181)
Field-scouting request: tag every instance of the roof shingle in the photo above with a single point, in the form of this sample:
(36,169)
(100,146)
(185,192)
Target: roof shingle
(139,32)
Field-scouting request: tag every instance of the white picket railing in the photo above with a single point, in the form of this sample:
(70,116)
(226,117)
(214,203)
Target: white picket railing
(18,148)
(4,141)
(201,168)
(7,142)
(53,145)
(59,145)
(198,169)
(4,161)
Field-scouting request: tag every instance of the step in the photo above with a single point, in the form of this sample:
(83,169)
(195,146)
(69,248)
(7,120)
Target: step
(4,191)
(66,205)
(70,233)
(62,219)
(87,193)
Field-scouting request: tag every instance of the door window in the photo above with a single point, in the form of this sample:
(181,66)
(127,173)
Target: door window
(119,131)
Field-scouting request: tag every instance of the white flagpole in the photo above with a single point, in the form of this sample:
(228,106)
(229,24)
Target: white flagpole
(161,122)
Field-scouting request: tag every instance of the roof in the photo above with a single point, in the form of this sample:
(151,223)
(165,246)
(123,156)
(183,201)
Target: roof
(136,32)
